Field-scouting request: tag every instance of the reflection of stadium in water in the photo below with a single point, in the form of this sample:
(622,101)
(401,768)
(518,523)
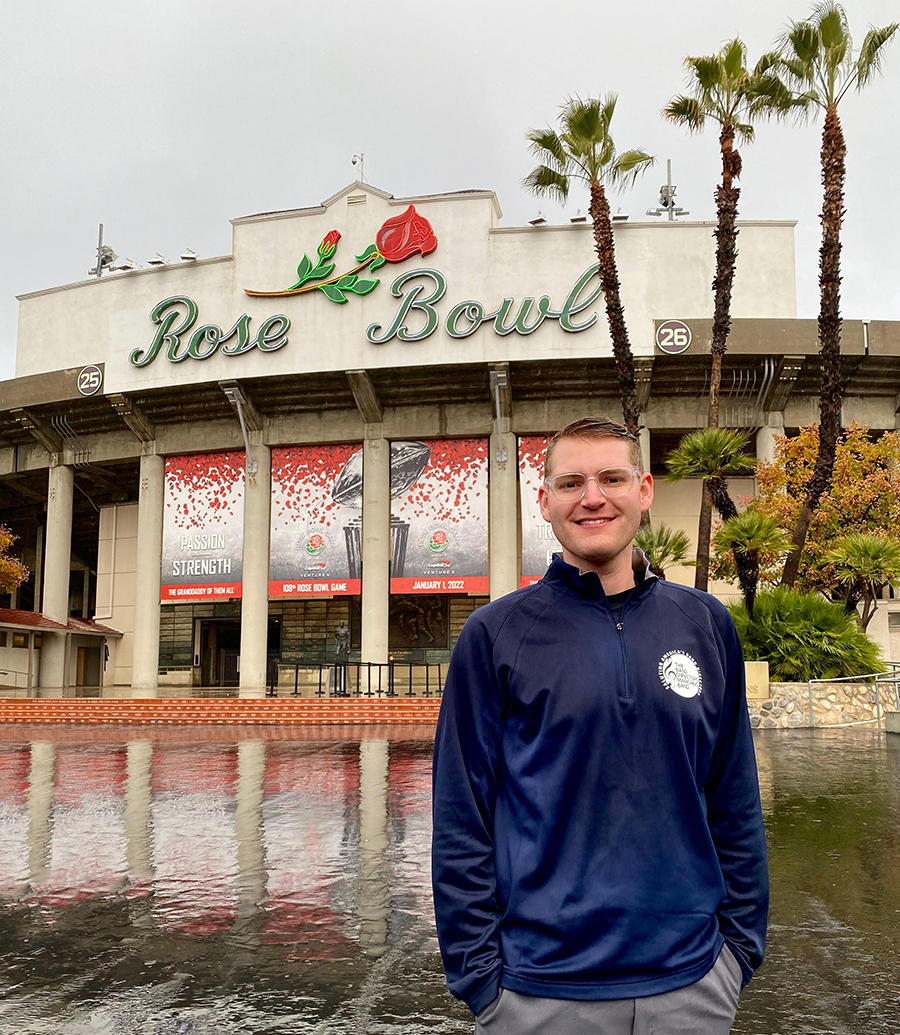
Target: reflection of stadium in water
(283,852)
(270,880)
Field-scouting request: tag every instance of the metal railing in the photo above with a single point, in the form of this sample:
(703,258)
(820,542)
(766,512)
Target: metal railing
(880,681)
(360,679)
(890,678)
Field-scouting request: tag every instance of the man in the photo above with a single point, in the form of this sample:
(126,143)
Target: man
(599,857)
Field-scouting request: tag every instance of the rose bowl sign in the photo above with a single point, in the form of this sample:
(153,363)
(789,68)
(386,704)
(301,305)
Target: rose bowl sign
(415,317)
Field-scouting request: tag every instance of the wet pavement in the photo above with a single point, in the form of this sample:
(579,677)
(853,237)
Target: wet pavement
(190,881)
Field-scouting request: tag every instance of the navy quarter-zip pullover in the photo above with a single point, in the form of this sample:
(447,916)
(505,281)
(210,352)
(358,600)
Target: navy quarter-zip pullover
(597,824)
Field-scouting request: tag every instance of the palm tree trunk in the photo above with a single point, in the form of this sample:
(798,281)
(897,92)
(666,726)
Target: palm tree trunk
(615,311)
(722,501)
(701,574)
(725,505)
(726,255)
(750,561)
(834,151)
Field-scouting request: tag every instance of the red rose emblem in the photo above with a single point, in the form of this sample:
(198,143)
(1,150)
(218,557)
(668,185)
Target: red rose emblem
(405,235)
(315,541)
(439,537)
(329,243)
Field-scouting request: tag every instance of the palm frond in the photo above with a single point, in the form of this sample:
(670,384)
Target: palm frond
(710,453)
(871,53)
(664,547)
(767,62)
(734,58)
(628,166)
(831,21)
(707,71)
(608,109)
(587,120)
(546,181)
(752,530)
(804,636)
(547,147)
(861,555)
(801,45)
(583,149)
(686,111)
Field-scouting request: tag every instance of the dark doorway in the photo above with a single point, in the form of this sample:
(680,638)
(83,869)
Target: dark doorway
(87,666)
(273,650)
(220,648)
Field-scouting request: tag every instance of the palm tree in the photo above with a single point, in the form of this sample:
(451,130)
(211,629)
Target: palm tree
(725,91)
(584,150)
(864,564)
(663,546)
(816,63)
(804,636)
(750,535)
(711,454)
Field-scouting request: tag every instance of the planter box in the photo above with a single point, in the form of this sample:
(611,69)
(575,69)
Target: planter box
(757,675)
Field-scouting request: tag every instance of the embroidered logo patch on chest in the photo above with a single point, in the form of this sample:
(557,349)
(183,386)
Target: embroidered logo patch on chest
(680,673)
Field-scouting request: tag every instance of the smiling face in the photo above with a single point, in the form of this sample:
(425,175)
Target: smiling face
(595,532)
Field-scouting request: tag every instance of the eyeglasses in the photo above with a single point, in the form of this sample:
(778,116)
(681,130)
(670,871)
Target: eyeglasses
(612,482)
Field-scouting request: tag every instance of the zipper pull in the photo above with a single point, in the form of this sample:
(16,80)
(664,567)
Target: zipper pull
(619,626)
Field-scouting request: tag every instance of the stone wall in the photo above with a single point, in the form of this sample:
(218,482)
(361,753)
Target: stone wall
(834,704)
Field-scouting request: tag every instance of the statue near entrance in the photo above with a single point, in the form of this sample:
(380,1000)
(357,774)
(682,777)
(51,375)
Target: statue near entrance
(342,652)
(342,643)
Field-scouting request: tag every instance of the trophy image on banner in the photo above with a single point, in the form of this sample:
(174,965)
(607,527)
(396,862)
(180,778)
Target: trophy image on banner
(408,463)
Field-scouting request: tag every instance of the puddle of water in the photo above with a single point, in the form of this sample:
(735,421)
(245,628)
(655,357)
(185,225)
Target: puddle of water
(231,881)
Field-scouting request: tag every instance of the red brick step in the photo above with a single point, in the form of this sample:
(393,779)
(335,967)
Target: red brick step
(218,711)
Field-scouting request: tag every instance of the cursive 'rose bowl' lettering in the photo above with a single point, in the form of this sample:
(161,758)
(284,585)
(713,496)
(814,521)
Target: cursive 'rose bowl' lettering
(465,318)
(411,302)
(178,314)
(416,318)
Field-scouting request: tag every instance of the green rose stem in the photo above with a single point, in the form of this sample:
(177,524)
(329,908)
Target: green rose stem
(311,287)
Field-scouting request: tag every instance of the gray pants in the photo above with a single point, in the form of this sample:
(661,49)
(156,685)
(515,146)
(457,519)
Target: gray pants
(706,1007)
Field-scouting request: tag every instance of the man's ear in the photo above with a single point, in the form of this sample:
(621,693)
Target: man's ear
(543,502)
(646,491)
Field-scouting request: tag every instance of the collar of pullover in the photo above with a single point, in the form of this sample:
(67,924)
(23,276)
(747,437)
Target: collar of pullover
(569,579)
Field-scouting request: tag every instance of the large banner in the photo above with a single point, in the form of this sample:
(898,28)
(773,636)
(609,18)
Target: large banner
(439,516)
(316,521)
(203,527)
(538,541)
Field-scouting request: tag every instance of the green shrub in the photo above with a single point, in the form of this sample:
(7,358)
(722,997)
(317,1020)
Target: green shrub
(804,636)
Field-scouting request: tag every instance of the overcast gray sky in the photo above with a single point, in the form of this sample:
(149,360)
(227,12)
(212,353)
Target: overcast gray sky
(164,119)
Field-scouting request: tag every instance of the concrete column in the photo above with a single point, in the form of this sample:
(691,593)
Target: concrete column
(38,566)
(255,593)
(374,890)
(765,438)
(248,828)
(145,660)
(57,561)
(504,532)
(138,801)
(376,544)
(644,435)
(40,809)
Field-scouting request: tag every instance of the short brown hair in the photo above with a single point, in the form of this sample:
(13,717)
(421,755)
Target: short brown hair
(595,427)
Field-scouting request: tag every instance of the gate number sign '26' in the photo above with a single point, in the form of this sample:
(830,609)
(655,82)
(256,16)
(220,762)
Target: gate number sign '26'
(673,337)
